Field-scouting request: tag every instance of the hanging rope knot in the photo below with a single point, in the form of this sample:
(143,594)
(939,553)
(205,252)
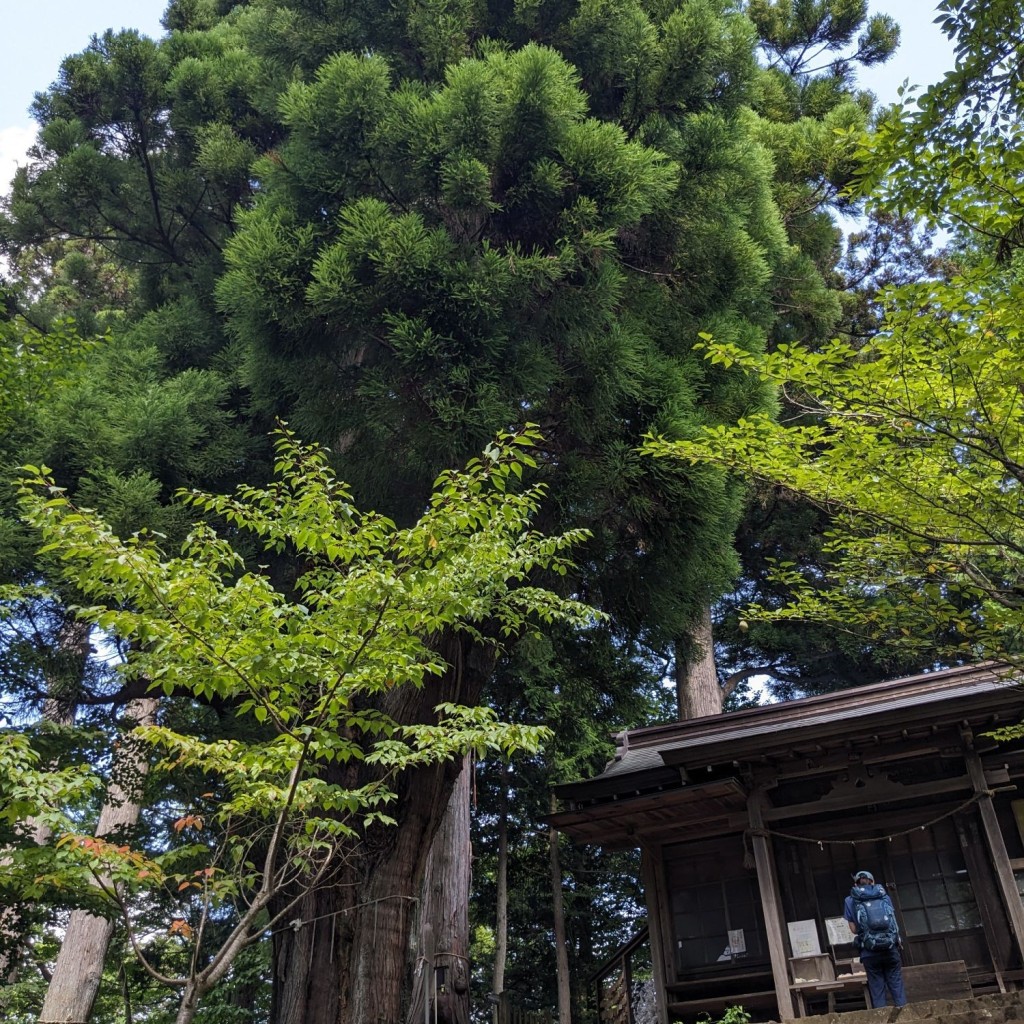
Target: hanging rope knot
(749,863)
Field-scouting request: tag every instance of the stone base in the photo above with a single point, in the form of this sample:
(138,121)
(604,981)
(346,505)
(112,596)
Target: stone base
(1004,1008)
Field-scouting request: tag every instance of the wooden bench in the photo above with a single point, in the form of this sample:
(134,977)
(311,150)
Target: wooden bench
(856,983)
(947,980)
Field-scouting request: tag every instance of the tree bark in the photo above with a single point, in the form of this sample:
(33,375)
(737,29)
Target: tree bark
(501,913)
(558,912)
(441,978)
(347,958)
(697,688)
(79,968)
(188,1007)
(65,671)
(306,958)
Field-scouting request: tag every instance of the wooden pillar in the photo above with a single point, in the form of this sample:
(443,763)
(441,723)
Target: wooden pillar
(657,909)
(986,892)
(773,920)
(996,847)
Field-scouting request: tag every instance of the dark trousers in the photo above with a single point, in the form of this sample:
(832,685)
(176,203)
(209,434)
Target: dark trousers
(885,971)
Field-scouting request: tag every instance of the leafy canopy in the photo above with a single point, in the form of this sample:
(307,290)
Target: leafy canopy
(915,444)
(914,440)
(311,665)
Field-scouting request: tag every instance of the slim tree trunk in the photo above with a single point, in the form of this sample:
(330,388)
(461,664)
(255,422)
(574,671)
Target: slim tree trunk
(243,998)
(63,674)
(65,671)
(441,986)
(188,1007)
(501,914)
(697,687)
(79,968)
(558,911)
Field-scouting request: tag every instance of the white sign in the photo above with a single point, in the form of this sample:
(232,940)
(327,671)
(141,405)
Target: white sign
(838,931)
(737,941)
(803,938)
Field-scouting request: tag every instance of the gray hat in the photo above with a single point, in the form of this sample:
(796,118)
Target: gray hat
(858,875)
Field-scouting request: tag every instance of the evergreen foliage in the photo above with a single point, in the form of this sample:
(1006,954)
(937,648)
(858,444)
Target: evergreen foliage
(406,227)
(452,235)
(583,686)
(296,803)
(913,437)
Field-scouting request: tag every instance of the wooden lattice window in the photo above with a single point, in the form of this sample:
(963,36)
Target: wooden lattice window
(934,892)
(713,892)
(706,914)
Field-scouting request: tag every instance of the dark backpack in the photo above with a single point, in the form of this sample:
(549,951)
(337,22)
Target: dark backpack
(876,923)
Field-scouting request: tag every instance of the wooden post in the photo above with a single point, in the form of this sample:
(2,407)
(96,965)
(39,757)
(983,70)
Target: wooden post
(773,921)
(501,1009)
(986,891)
(657,907)
(996,847)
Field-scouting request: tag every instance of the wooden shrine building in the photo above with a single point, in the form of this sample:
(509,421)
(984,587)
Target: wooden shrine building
(750,825)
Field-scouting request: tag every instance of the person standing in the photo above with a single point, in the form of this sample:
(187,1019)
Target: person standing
(872,919)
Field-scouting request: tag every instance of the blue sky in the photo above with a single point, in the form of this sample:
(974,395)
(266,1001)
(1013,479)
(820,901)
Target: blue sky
(38,33)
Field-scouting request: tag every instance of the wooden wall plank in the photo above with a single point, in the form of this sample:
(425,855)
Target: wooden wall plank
(983,882)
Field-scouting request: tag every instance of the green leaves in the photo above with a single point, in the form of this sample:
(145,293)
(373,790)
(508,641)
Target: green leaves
(33,364)
(915,444)
(51,799)
(315,666)
(952,154)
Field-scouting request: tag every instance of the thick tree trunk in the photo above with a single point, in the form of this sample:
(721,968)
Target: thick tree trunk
(558,911)
(501,913)
(307,955)
(377,961)
(79,968)
(441,979)
(697,688)
(348,957)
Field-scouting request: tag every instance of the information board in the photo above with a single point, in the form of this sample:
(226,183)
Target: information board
(838,931)
(803,938)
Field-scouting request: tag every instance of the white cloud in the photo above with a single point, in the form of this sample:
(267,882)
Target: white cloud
(14,142)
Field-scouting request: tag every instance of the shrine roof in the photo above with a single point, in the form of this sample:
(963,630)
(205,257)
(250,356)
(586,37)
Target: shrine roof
(659,756)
